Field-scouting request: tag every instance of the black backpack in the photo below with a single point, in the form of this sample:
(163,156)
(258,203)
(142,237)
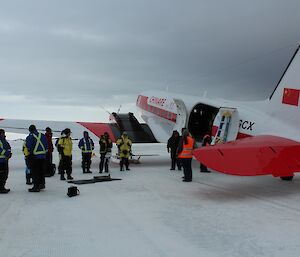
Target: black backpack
(73,191)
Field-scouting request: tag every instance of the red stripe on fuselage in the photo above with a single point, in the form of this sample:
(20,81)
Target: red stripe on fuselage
(142,102)
(98,129)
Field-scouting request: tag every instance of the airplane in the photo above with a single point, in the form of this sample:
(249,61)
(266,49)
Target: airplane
(250,138)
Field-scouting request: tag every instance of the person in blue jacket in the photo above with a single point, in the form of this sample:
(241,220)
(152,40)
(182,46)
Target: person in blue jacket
(5,154)
(37,145)
(86,145)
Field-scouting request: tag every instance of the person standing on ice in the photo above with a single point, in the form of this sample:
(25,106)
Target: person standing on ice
(124,146)
(206,141)
(49,156)
(37,146)
(27,168)
(172,146)
(64,147)
(185,154)
(86,145)
(5,154)
(105,152)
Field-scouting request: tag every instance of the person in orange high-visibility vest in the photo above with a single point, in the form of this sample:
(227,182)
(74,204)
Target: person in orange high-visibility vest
(185,154)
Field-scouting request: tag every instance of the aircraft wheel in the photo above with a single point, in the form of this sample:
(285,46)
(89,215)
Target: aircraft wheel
(289,178)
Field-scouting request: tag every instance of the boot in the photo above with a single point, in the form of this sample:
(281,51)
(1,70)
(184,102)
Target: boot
(88,168)
(70,177)
(28,182)
(62,177)
(4,190)
(34,189)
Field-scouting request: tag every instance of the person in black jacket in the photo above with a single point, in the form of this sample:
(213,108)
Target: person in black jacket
(5,154)
(172,149)
(105,152)
(206,141)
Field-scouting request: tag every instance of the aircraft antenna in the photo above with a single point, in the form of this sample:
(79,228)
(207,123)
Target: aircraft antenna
(104,109)
(119,108)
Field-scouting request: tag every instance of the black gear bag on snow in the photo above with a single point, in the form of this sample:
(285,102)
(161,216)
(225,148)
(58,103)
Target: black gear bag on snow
(73,191)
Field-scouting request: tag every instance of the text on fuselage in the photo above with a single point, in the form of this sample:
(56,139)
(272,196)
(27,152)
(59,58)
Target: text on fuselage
(247,125)
(157,101)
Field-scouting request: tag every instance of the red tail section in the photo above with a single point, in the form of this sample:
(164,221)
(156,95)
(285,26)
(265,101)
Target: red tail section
(98,129)
(259,155)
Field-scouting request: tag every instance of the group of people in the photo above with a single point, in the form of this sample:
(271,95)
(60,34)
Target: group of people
(38,150)
(181,152)
(86,145)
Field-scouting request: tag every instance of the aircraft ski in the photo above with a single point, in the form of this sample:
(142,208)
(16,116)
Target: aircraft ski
(133,159)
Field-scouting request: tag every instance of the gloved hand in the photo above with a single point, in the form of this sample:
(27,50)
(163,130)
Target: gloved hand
(60,149)
(168,150)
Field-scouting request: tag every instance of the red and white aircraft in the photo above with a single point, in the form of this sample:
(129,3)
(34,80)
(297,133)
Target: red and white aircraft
(249,138)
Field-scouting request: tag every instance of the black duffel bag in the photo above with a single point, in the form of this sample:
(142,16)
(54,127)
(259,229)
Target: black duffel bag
(50,170)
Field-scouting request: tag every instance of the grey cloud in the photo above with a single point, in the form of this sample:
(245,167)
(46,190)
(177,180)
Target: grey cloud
(75,53)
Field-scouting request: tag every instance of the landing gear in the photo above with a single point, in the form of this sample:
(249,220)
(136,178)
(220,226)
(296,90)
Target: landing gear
(289,178)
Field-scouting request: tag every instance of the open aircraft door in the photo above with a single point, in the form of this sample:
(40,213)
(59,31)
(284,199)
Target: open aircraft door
(227,124)
(181,115)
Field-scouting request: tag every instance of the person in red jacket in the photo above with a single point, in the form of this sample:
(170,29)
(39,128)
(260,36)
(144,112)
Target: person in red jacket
(49,158)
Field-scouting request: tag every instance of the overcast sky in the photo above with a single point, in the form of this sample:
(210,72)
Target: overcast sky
(62,60)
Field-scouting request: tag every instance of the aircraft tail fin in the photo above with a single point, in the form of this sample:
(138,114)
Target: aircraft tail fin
(287,91)
(284,103)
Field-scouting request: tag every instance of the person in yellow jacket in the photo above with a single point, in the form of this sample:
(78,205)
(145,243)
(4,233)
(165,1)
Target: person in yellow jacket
(124,147)
(27,169)
(185,154)
(64,147)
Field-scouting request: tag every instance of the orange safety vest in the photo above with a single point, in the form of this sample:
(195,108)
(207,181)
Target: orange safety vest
(187,151)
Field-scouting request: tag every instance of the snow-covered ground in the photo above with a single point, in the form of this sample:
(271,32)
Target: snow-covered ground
(150,212)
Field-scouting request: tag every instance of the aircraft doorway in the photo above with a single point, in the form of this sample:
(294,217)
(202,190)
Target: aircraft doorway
(201,120)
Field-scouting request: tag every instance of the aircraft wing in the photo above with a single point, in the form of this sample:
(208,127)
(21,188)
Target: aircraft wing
(252,156)
(77,128)
(138,133)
